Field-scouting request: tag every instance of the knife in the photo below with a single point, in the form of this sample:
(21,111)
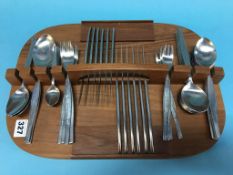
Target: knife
(212,112)
(29,57)
(71,128)
(66,114)
(35,102)
(174,114)
(182,50)
(167,130)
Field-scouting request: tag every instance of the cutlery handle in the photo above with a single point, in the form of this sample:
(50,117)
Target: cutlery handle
(136,117)
(143,117)
(118,118)
(149,117)
(29,57)
(183,54)
(35,101)
(174,114)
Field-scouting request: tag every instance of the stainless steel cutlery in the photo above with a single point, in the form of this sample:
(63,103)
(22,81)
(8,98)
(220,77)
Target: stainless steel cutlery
(18,102)
(66,132)
(34,107)
(133,94)
(212,111)
(182,50)
(166,56)
(135,132)
(169,113)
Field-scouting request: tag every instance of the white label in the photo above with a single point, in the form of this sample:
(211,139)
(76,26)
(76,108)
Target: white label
(20,128)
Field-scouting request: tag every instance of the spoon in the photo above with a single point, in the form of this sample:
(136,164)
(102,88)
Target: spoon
(193,99)
(52,95)
(18,102)
(44,50)
(205,53)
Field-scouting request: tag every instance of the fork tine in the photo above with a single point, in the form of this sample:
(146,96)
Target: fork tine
(161,52)
(172,50)
(156,58)
(166,49)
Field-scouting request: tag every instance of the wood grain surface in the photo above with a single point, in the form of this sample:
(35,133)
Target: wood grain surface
(95,124)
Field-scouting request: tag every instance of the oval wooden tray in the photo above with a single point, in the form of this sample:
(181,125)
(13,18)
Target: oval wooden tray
(96,133)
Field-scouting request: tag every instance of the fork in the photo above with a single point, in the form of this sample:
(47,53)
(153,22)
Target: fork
(165,55)
(68,54)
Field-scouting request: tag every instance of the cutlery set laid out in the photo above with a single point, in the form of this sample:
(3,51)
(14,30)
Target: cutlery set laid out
(116,89)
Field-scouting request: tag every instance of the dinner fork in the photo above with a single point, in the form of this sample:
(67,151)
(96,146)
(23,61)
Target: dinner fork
(165,55)
(68,53)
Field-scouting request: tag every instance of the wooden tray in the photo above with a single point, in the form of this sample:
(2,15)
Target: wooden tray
(95,128)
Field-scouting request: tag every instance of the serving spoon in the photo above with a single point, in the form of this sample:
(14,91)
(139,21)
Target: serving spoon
(44,50)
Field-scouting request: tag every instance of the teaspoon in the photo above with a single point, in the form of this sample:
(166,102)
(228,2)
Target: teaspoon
(52,95)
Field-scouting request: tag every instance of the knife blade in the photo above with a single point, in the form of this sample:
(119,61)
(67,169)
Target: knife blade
(34,106)
(29,57)
(182,50)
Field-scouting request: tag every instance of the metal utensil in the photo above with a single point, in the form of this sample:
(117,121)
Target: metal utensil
(166,55)
(205,53)
(52,95)
(29,57)
(66,121)
(182,50)
(212,112)
(68,54)
(66,133)
(18,102)
(118,117)
(87,45)
(149,118)
(92,45)
(44,50)
(124,115)
(169,109)
(175,117)
(193,99)
(138,145)
(35,102)
(167,129)
(113,46)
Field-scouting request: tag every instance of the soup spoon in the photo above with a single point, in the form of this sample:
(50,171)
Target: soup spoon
(205,53)
(193,99)
(18,102)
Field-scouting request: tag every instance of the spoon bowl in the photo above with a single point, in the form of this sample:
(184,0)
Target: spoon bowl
(44,50)
(52,95)
(193,99)
(18,102)
(205,53)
